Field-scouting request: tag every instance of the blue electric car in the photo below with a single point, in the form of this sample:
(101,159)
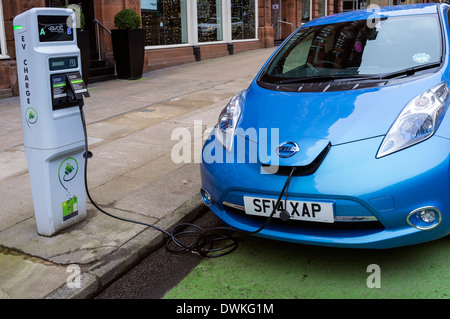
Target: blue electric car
(342,139)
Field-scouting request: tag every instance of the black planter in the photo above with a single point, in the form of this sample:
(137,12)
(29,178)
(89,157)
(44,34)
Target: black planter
(83,41)
(128,47)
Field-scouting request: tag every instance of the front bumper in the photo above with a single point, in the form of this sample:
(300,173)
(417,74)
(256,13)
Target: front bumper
(372,197)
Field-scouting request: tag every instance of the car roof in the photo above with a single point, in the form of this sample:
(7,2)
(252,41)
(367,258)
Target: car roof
(399,10)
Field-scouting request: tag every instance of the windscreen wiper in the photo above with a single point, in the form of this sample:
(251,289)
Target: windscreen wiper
(328,77)
(357,77)
(409,71)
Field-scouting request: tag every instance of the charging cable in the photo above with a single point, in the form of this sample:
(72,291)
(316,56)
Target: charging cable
(210,243)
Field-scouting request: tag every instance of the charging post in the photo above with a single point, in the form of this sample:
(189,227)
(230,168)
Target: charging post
(51,98)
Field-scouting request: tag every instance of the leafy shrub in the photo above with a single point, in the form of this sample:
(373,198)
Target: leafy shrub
(127,19)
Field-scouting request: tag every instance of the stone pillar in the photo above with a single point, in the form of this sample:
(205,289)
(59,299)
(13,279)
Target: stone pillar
(265,29)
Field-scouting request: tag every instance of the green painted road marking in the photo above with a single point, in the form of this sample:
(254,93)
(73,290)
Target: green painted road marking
(262,268)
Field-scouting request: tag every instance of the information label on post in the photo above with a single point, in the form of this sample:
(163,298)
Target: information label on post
(59,86)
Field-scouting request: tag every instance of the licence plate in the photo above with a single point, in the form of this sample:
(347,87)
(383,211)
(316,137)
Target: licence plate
(322,212)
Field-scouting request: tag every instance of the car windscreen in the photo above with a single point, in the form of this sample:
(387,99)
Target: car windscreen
(357,48)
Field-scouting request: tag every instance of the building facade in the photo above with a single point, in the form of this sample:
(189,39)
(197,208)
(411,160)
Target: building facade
(177,31)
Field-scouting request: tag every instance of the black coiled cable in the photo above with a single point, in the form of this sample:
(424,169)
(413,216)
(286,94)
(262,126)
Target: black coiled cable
(211,243)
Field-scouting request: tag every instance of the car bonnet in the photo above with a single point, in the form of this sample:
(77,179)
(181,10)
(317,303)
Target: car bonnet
(314,120)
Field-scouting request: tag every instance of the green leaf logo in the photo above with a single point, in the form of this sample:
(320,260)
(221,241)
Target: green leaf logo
(68,169)
(31,116)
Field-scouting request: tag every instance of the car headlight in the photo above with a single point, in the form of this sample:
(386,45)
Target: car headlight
(418,121)
(228,118)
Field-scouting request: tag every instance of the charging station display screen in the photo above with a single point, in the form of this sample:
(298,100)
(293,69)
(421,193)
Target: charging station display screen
(54,28)
(63,63)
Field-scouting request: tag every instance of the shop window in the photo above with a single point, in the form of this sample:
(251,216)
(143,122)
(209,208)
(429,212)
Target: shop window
(243,19)
(209,19)
(164,21)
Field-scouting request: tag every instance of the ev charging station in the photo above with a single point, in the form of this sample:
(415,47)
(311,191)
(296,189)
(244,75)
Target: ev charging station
(51,98)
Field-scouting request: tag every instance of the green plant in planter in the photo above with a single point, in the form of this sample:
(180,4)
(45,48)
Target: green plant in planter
(128,44)
(127,19)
